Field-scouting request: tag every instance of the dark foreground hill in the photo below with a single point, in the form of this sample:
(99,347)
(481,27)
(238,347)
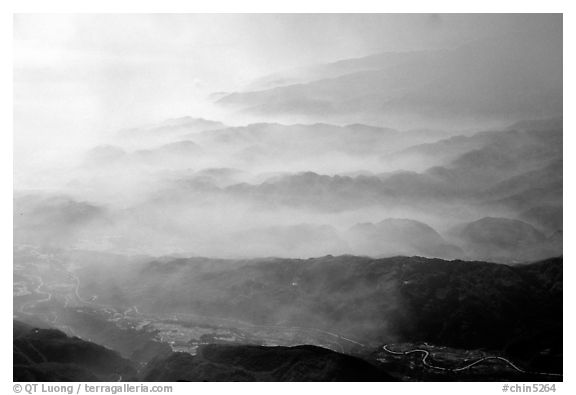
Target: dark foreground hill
(216,362)
(51,355)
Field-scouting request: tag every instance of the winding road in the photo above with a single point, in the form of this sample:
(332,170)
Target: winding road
(426,354)
(37,291)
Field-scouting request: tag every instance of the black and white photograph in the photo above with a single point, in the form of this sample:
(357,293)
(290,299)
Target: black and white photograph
(287,197)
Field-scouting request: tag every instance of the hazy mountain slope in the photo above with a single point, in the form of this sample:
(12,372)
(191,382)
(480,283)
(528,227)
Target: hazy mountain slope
(504,78)
(533,139)
(320,146)
(504,239)
(546,176)
(394,236)
(165,132)
(463,304)
(49,219)
(258,148)
(424,156)
(549,218)
(336,69)
(491,164)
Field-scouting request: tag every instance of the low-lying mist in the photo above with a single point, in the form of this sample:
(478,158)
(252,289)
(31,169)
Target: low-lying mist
(305,190)
(449,152)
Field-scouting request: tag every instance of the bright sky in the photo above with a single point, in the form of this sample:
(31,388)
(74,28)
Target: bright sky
(78,77)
